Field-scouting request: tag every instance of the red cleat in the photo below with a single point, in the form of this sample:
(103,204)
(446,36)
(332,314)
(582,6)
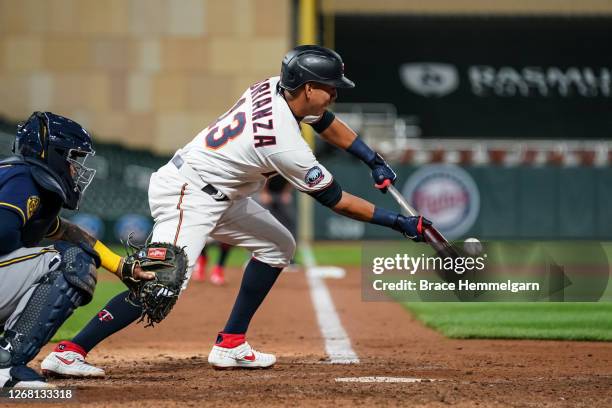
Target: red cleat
(217,276)
(199,270)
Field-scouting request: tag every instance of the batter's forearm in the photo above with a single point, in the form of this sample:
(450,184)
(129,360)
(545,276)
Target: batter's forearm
(342,136)
(339,134)
(354,207)
(362,210)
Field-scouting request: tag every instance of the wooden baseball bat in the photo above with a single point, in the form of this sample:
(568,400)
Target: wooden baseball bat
(432,236)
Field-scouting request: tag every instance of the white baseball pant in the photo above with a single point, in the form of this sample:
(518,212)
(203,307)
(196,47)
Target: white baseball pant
(20,272)
(186,216)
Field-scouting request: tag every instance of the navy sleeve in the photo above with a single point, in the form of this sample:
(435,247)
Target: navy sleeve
(326,119)
(330,195)
(10,231)
(20,195)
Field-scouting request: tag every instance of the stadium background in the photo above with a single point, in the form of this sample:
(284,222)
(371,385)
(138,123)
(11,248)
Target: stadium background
(144,76)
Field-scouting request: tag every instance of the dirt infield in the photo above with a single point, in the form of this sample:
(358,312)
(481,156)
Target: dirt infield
(166,365)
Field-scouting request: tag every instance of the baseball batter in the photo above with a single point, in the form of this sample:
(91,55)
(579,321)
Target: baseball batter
(204,191)
(41,286)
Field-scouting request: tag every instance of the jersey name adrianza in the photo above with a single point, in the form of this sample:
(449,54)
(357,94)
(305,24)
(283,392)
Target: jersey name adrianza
(256,138)
(261,97)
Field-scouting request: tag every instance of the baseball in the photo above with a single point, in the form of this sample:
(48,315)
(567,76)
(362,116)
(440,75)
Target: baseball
(472,246)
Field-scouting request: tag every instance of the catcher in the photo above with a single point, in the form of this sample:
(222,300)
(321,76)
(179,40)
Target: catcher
(41,286)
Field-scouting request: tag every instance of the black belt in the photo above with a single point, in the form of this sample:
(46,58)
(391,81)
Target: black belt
(214,193)
(209,189)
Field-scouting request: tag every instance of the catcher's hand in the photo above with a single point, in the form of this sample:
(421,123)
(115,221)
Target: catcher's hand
(167,264)
(130,270)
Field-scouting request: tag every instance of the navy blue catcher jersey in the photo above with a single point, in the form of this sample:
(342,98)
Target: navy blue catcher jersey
(36,209)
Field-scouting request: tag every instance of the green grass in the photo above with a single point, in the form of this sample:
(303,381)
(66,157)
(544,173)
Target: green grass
(104,292)
(336,253)
(561,321)
(568,321)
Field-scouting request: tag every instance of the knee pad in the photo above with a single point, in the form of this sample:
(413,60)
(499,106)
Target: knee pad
(287,248)
(50,304)
(79,266)
(290,247)
(280,252)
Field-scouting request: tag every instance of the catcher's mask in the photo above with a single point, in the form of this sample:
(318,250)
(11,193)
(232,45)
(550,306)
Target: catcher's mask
(62,146)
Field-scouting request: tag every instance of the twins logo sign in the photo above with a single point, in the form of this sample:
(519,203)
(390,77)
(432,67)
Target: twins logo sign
(447,195)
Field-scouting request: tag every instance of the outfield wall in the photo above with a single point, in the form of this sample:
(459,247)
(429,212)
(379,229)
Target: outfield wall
(522,202)
(514,202)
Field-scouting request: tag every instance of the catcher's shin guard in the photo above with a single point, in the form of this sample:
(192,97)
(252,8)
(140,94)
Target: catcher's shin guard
(79,266)
(51,303)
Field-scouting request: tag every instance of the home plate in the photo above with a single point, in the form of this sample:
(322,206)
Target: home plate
(383,379)
(329,272)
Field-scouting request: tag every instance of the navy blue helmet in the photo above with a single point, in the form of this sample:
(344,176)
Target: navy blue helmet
(313,63)
(60,146)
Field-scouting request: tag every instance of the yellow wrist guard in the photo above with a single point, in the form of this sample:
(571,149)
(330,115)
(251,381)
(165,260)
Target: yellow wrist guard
(110,260)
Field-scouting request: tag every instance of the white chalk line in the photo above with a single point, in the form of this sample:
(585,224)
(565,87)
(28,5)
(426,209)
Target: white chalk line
(383,380)
(337,342)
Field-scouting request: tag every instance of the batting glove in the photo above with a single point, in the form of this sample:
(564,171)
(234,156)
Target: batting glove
(412,227)
(382,173)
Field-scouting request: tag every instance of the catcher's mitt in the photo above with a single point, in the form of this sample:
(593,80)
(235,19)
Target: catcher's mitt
(157,296)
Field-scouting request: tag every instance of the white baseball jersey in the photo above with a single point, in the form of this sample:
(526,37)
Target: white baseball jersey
(258,137)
